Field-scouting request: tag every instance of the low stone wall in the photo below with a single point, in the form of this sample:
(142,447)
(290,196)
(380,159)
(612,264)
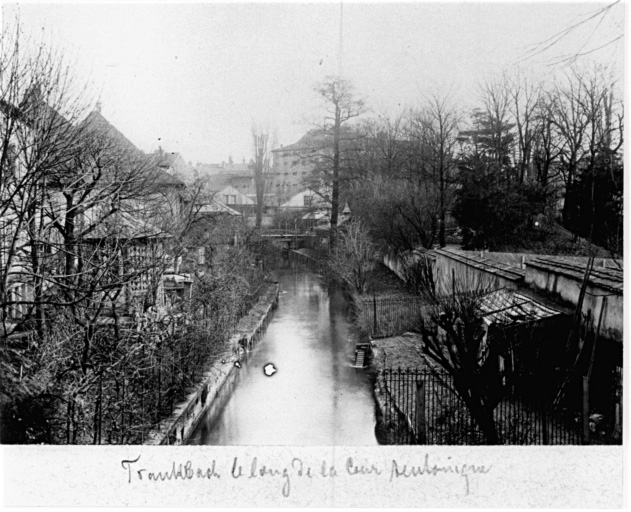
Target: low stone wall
(217,382)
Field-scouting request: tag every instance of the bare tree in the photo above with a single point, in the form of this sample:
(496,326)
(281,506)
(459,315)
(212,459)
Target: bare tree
(587,120)
(402,176)
(352,255)
(495,121)
(400,213)
(434,132)
(39,102)
(524,102)
(89,225)
(454,338)
(382,149)
(546,146)
(341,106)
(262,146)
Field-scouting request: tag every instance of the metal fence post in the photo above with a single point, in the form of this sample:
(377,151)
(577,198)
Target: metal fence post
(421,425)
(374,313)
(544,424)
(586,410)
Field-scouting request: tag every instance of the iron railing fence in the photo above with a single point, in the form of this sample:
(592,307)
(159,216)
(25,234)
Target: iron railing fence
(382,317)
(421,406)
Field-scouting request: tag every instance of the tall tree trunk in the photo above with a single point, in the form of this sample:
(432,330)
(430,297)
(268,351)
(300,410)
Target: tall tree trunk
(483,415)
(259,182)
(335,190)
(441,228)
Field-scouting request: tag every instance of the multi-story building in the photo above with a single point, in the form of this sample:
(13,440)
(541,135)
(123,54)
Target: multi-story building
(107,223)
(174,164)
(293,166)
(237,175)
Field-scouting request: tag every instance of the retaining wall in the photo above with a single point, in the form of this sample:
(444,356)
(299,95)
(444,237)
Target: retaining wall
(217,384)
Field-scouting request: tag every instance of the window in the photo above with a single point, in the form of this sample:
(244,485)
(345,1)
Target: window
(231,199)
(295,173)
(308,200)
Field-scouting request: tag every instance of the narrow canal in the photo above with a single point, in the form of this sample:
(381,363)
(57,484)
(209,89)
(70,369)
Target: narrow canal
(315,397)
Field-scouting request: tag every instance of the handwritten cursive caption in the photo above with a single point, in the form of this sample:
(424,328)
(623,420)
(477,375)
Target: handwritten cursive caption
(284,475)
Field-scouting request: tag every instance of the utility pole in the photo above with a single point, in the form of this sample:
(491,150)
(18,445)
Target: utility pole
(341,45)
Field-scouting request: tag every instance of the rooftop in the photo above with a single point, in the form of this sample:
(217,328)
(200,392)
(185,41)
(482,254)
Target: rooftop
(507,307)
(603,277)
(97,125)
(217,207)
(312,140)
(472,259)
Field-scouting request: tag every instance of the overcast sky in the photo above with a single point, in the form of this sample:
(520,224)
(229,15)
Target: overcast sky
(193,77)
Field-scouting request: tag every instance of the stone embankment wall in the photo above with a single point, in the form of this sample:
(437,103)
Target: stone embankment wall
(394,262)
(217,382)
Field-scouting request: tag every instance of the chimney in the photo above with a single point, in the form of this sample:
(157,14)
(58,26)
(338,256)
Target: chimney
(97,107)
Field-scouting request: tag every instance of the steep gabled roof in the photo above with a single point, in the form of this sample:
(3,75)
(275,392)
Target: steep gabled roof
(34,101)
(217,207)
(297,200)
(98,125)
(230,190)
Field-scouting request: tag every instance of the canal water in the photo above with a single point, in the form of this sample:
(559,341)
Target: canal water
(315,397)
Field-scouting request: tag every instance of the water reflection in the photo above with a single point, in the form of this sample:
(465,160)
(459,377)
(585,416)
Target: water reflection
(315,397)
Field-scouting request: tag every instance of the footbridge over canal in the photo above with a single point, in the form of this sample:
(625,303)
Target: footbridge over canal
(290,240)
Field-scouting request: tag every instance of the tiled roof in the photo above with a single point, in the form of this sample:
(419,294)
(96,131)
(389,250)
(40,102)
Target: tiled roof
(515,259)
(606,278)
(493,267)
